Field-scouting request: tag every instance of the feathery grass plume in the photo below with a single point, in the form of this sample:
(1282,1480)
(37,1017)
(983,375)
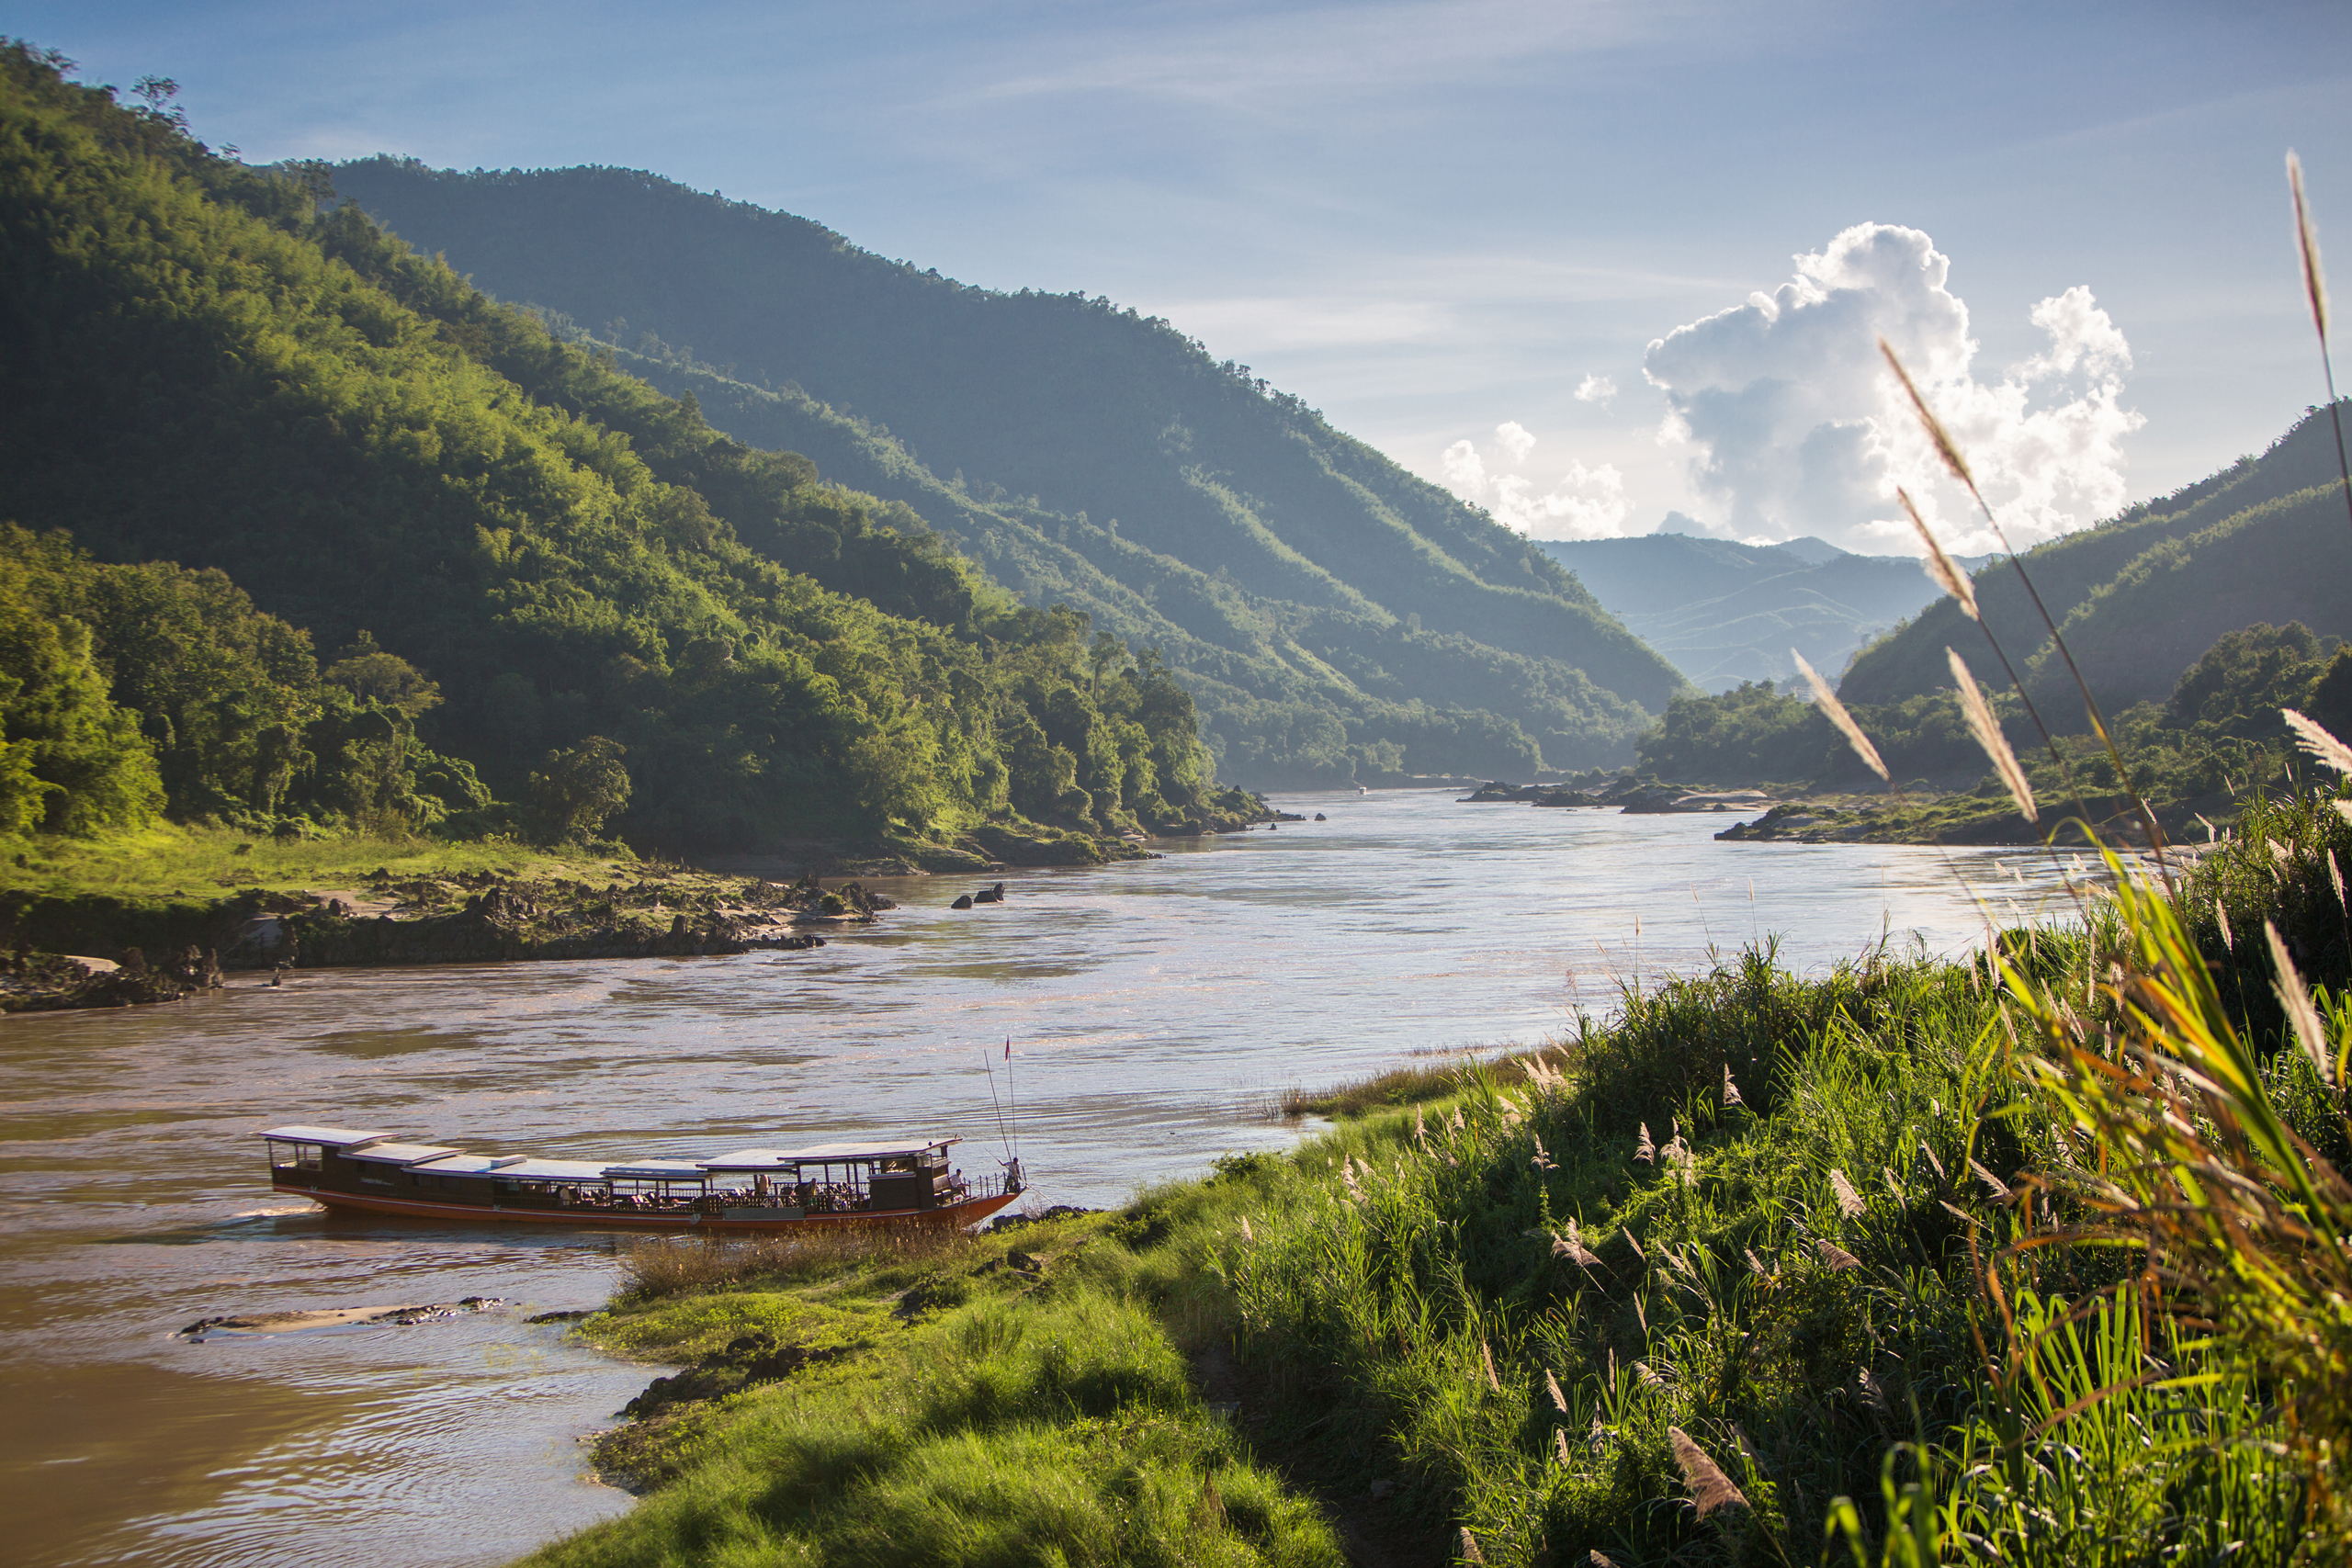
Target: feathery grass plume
(1636,1246)
(1754,1264)
(2222,917)
(2309,1033)
(1246,1234)
(1595,1557)
(1646,1152)
(1850,1202)
(1935,1165)
(1731,1091)
(1828,702)
(2335,880)
(1894,1182)
(1487,1360)
(1574,1251)
(1542,1160)
(2315,739)
(1981,725)
(1551,1387)
(2307,238)
(2316,289)
(1560,1446)
(1994,1186)
(1421,1128)
(1468,1547)
(1953,459)
(1941,569)
(1649,1378)
(1873,1391)
(1835,1258)
(1946,448)
(1710,1487)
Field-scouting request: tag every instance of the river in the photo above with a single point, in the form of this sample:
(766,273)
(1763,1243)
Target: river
(1155,1009)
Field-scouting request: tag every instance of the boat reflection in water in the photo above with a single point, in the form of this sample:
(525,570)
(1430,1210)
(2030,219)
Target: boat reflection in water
(904,1182)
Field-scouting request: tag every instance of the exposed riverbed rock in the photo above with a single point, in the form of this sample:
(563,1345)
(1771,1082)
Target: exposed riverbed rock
(338,1318)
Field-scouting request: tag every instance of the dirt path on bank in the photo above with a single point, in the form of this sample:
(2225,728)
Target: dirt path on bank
(1369,1530)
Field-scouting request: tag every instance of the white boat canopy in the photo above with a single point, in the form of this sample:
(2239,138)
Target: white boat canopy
(824,1154)
(384,1153)
(342,1137)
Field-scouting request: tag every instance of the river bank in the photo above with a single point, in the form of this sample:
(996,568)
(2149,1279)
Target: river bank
(113,924)
(1157,1009)
(1758,1265)
(1953,812)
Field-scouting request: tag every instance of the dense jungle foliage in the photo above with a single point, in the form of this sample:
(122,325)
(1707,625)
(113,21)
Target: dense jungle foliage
(209,375)
(2139,597)
(1334,616)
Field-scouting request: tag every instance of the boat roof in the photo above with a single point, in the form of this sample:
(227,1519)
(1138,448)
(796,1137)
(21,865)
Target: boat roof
(553,1170)
(656,1170)
(822,1154)
(456,1164)
(343,1135)
(399,1154)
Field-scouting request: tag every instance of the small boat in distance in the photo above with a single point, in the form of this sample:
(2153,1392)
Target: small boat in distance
(906,1182)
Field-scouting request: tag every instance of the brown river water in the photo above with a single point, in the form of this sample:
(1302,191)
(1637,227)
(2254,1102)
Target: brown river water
(1155,1009)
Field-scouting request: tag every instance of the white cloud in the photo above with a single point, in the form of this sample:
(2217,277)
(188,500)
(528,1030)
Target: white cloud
(1582,503)
(1799,430)
(1465,475)
(1597,390)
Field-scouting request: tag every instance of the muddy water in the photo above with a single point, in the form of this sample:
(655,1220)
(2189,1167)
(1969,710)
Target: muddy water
(1155,1009)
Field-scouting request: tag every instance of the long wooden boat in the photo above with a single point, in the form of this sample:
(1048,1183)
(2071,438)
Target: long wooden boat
(906,1182)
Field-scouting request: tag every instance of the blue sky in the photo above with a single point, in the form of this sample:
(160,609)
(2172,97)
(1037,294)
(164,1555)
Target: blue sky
(1439,221)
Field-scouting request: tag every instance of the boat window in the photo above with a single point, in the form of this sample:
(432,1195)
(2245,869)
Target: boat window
(294,1157)
(374,1175)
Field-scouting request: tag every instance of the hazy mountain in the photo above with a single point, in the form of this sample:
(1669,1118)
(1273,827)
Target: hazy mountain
(1726,612)
(2139,599)
(1332,614)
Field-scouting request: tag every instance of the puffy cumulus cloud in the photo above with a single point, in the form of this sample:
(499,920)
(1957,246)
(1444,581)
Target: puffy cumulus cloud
(1582,503)
(1597,390)
(1798,429)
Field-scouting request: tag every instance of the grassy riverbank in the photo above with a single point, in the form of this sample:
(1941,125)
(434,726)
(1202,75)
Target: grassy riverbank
(1769,1262)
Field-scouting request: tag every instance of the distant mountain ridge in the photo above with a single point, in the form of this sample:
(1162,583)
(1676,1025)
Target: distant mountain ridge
(1725,612)
(2139,599)
(1333,614)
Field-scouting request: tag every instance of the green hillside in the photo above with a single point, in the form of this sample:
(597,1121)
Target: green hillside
(1333,614)
(202,370)
(2141,597)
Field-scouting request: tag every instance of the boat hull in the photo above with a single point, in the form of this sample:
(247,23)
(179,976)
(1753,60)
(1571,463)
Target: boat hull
(948,1216)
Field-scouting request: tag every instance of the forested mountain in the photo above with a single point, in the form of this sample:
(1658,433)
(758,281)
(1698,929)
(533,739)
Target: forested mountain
(527,557)
(2141,598)
(1334,615)
(1725,612)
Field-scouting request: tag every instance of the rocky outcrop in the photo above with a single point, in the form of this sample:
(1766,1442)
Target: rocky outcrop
(48,982)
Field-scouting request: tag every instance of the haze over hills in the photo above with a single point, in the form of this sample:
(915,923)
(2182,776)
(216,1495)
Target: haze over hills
(2141,598)
(1724,612)
(1334,615)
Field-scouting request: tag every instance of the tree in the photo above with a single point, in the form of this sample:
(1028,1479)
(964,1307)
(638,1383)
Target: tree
(581,787)
(367,672)
(74,762)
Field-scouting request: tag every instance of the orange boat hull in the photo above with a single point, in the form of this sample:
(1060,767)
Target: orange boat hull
(971,1212)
